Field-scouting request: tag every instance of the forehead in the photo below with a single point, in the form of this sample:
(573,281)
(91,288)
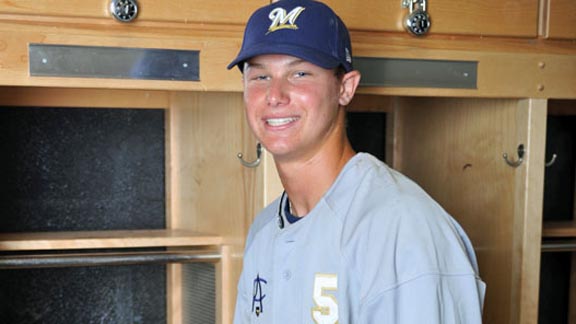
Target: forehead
(278,60)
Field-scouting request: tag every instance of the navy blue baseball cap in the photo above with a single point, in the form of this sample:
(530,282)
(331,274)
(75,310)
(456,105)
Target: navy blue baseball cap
(306,29)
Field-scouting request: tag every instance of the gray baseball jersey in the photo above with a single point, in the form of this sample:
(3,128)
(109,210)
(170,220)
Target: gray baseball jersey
(375,249)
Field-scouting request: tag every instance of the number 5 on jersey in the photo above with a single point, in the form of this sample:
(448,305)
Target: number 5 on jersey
(326,309)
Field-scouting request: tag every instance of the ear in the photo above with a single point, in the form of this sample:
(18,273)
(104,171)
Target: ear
(348,87)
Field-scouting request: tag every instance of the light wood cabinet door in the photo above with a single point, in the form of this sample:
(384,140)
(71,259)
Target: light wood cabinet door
(561,19)
(190,11)
(454,149)
(491,17)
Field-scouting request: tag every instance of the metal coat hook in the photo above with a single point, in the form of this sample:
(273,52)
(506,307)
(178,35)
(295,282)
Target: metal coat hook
(552,160)
(516,163)
(254,163)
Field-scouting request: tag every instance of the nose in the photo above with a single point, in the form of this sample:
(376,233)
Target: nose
(277,93)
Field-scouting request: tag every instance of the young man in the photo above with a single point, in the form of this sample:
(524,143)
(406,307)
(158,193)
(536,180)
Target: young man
(350,240)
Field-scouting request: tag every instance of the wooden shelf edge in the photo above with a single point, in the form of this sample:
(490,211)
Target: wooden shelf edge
(105,240)
(559,229)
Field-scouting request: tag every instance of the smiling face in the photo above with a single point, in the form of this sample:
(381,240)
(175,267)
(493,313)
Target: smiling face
(293,106)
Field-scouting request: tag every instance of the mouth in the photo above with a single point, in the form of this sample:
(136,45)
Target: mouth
(280,121)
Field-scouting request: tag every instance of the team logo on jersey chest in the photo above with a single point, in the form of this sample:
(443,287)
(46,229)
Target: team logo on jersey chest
(258,295)
(282,20)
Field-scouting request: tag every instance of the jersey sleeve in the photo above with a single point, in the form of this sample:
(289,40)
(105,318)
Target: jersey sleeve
(431,299)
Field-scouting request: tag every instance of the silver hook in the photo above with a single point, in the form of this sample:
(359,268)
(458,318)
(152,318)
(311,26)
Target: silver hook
(518,162)
(254,163)
(552,160)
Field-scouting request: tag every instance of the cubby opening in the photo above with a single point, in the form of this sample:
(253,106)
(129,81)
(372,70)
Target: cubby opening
(82,169)
(557,267)
(367,132)
(86,233)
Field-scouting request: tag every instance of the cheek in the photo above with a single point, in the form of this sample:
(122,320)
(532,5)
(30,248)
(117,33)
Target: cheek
(251,109)
(254,95)
(247,95)
(328,98)
(314,96)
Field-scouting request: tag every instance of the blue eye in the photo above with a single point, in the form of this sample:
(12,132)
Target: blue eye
(301,74)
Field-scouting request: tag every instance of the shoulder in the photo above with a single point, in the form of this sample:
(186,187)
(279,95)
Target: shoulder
(265,221)
(379,194)
(400,227)
(369,190)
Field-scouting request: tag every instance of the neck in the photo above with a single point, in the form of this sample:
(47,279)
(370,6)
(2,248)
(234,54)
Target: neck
(307,180)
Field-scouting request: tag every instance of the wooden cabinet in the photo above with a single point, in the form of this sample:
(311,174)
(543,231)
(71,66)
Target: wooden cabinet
(453,148)
(449,140)
(210,198)
(486,18)
(184,12)
(213,29)
(558,19)
(553,19)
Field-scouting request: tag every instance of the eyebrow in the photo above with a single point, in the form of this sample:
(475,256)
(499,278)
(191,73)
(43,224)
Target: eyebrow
(248,64)
(296,61)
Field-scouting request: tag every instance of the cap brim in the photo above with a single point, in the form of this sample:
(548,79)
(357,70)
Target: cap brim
(307,54)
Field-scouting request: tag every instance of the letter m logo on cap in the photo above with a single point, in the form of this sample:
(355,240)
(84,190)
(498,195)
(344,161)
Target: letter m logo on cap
(281,20)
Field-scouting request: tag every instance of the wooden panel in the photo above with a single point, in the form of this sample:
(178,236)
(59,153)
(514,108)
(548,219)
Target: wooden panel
(104,239)
(272,185)
(560,19)
(91,98)
(369,14)
(209,188)
(559,229)
(226,287)
(562,107)
(369,103)
(504,69)
(530,116)
(208,185)
(235,12)
(216,50)
(494,17)
(453,148)
(174,293)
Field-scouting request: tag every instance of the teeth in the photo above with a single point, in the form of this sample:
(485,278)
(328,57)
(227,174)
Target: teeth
(280,121)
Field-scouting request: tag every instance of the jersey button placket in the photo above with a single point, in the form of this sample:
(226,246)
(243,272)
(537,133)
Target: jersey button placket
(287,275)
(279,265)
(287,247)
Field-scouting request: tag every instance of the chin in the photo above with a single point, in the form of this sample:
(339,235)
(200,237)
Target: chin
(277,149)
